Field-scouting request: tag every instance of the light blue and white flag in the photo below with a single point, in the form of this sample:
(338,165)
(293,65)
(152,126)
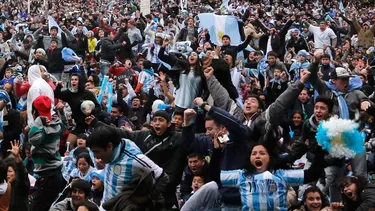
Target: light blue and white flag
(341,7)
(225,4)
(109,5)
(52,22)
(219,25)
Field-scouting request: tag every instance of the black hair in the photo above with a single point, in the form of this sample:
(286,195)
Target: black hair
(148,16)
(137,97)
(89,206)
(198,155)
(85,156)
(3,171)
(298,112)
(260,102)
(326,56)
(312,189)
(118,106)
(82,185)
(272,152)
(96,79)
(363,75)
(326,101)
(307,90)
(272,53)
(102,136)
(79,150)
(177,112)
(360,182)
(147,64)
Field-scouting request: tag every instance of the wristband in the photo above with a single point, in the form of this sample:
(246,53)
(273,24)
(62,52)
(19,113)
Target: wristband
(203,105)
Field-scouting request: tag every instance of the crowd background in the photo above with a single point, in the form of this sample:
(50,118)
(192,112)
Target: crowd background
(103,107)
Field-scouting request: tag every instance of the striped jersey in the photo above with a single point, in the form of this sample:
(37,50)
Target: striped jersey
(264,191)
(76,173)
(153,55)
(70,163)
(190,85)
(147,80)
(127,164)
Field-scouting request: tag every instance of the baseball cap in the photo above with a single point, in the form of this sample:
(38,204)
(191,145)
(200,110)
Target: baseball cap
(43,105)
(340,72)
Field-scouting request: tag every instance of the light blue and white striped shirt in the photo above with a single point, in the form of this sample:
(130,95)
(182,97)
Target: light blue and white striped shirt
(76,173)
(147,80)
(264,191)
(70,163)
(126,165)
(153,56)
(190,85)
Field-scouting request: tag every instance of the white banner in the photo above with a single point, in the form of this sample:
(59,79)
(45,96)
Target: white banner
(145,7)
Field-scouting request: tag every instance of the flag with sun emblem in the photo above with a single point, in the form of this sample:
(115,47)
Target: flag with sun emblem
(219,25)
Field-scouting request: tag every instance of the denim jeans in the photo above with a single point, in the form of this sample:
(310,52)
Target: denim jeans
(206,198)
(359,165)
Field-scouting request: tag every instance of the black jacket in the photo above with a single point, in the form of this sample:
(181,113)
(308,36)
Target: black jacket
(12,129)
(298,44)
(109,49)
(187,179)
(222,74)
(55,60)
(168,151)
(75,99)
(19,200)
(365,202)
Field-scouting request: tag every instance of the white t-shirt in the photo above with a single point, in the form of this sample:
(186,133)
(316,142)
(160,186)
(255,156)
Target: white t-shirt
(322,37)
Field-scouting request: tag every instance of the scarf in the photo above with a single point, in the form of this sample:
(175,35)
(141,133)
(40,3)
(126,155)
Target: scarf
(149,71)
(343,106)
(354,83)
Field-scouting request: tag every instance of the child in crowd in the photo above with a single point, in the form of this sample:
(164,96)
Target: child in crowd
(97,180)
(277,85)
(70,157)
(84,167)
(8,77)
(44,135)
(198,182)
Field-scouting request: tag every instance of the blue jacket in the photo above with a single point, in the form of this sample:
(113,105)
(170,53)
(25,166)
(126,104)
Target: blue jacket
(236,153)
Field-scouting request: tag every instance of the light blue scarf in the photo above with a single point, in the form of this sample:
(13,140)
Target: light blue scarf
(354,83)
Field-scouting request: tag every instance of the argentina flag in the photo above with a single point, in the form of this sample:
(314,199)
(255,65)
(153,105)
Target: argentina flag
(219,25)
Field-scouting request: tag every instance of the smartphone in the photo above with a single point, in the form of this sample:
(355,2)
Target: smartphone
(334,194)
(223,139)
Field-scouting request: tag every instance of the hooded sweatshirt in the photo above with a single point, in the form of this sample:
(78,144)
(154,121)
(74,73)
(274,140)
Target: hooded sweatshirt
(45,140)
(75,98)
(38,87)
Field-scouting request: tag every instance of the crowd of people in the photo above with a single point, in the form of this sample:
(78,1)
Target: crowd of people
(103,107)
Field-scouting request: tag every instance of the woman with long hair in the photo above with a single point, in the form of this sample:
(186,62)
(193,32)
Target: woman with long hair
(357,194)
(261,185)
(188,76)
